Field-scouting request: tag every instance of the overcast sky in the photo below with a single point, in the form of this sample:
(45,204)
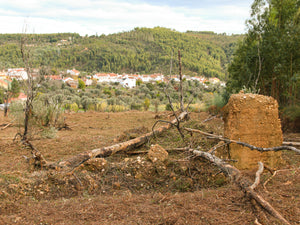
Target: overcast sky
(112,16)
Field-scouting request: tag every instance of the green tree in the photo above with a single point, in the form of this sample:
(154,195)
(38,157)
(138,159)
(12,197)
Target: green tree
(15,88)
(146,104)
(268,59)
(81,84)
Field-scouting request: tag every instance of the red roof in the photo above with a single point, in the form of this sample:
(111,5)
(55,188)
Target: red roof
(21,96)
(3,83)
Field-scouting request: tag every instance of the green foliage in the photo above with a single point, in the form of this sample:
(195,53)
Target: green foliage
(292,112)
(17,111)
(139,82)
(81,84)
(168,107)
(268,59)
(146,104)
(1,95)
(49,132)
(142,50)
(15,88)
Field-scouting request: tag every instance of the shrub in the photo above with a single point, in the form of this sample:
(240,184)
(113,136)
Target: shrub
(49,133)
(17,111)
(136,106)
(146,104)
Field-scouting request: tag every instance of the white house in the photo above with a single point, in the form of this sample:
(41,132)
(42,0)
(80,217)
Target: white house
(18,74)
(128,82)
(67,79)
(102,77)
(73,72)
(88,82)
(145,78)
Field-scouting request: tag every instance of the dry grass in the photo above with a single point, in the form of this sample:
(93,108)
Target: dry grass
(131,190)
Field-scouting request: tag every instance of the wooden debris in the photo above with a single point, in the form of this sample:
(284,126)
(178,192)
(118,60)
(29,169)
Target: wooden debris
(241,181)
(124,146)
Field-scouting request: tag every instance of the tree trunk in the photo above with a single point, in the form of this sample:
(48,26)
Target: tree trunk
(180,83)
(124,146)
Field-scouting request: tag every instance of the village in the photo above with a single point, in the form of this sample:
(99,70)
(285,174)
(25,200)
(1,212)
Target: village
(70,77)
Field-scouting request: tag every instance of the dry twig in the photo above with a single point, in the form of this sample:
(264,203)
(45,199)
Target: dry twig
(252,147)
(243,183)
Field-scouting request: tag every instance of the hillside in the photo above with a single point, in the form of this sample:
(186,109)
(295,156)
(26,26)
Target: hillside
(142,50)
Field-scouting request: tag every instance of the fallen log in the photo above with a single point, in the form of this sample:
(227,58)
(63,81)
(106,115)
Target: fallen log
(242,182)
(124,146)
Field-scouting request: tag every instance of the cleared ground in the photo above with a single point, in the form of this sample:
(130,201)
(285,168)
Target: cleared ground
(131,189)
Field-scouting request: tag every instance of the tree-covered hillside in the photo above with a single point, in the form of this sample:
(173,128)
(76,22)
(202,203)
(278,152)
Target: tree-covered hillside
(142,50)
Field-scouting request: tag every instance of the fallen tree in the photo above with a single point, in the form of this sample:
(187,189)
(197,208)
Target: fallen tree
(124,146)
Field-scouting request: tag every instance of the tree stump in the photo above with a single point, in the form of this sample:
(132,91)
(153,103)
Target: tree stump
(253,119)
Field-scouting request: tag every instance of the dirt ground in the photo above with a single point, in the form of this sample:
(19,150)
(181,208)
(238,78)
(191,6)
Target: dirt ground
(129,188)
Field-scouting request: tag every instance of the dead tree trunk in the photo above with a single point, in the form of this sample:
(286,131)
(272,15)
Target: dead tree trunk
(241,181)
(180,83)
(124,146)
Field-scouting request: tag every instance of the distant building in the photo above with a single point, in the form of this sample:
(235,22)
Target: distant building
(128,82)
(53,77)
(2,75)
(5,83)
(88,82)
(18,74)
(73,72)
(21,97)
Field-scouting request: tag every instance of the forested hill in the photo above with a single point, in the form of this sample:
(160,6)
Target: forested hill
(142,50)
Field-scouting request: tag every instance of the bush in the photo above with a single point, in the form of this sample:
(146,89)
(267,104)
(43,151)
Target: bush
(146,104)
(136,106)
(168,107)
(17,111)
(49,133)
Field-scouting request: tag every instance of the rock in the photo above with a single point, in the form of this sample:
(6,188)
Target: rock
(96,164)
(157,153)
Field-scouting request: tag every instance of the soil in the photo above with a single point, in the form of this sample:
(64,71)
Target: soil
(253,119)
(128,188)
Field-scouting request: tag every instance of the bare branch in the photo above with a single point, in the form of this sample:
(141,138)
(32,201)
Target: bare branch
(257,176)
(169,122)
(243,183)
(252,147)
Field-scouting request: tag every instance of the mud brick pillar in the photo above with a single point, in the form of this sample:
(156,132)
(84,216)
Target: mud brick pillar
(253,119)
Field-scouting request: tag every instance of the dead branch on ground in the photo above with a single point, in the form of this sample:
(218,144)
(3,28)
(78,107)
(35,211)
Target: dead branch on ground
(241,181)
(124,146)
(257,175)
(209,118)
(5,126)
(252,147)
(271,177)
(291,143)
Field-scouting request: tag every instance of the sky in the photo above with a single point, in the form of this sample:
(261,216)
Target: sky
(91,17)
